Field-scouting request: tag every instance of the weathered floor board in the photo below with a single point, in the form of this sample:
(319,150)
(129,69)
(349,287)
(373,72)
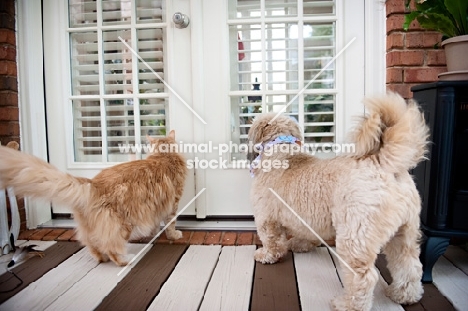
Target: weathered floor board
(5,259)
(381,301)
(185,287)
(274,286)
(458,257)
(35,268)
(432,299)
(140,286)
(229,288)
(57,281)
(451,282)
(95,285)
(180,277)
(317,279)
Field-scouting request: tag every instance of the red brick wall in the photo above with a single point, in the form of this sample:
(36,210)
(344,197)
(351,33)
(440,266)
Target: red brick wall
(9,113)
(411,57)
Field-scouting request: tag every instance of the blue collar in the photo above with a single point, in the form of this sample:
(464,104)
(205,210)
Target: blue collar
(283,139)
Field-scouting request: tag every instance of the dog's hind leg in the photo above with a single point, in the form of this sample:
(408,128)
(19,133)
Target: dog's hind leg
(402,253)
(358,241)
(273,237)
(359,276)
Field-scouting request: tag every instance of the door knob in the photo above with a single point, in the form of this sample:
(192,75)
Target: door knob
(180,20)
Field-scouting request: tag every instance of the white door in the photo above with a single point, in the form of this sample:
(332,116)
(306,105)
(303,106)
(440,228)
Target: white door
(100,96)
(261,56)
(235,59)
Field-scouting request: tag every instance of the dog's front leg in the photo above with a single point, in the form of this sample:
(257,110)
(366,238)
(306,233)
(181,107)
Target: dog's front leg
(273,237)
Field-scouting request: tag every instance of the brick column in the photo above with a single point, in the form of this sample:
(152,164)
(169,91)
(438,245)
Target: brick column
(9,112)
(411,56)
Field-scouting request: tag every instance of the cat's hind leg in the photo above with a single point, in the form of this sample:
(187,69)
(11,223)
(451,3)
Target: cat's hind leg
(97,254)
(171,232)
(84,235)
(117,251)
(113,241)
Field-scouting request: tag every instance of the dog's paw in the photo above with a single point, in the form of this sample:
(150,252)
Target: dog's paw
(174,235)
(301,246)
(263,256)
(339,303)
(350,303)
(407,294)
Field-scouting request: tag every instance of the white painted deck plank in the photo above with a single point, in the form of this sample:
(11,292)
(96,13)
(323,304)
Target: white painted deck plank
(231,283)
(458,257)
(381,301)
(202,267)
(185,287)
(451,282)
(5,259)
(95,285)
(317,280)
(41,293)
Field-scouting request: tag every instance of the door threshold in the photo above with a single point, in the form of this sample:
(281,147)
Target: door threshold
(196,225)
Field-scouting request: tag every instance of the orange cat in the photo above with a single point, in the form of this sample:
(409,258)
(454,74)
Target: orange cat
(122,202)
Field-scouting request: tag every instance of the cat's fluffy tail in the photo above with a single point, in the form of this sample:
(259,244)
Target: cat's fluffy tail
(393,131)
(31,177)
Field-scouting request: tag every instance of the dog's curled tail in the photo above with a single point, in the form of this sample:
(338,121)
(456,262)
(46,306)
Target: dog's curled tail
(393,131)
(31,177)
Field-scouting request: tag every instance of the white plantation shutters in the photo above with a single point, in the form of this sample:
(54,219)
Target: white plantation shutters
(277,47)
(116,99)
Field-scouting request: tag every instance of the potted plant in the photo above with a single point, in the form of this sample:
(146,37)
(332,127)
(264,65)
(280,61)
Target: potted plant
(450,18)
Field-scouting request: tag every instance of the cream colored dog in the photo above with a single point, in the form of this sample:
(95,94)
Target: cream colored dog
(367,200)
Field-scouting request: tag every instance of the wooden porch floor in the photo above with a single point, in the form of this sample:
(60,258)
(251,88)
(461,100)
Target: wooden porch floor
(183,276)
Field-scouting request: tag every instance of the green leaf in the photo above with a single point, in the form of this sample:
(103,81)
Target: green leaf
(409,18)
(432,6)
(437,22)
(459,11)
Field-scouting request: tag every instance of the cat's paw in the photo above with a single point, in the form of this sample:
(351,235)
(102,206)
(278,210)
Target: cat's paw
(174,235)
(119,260)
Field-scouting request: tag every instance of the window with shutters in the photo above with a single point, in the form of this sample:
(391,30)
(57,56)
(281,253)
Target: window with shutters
(278,48)
(116,98)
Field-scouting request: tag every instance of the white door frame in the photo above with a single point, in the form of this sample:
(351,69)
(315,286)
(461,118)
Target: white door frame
(31,95)
(31,92)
